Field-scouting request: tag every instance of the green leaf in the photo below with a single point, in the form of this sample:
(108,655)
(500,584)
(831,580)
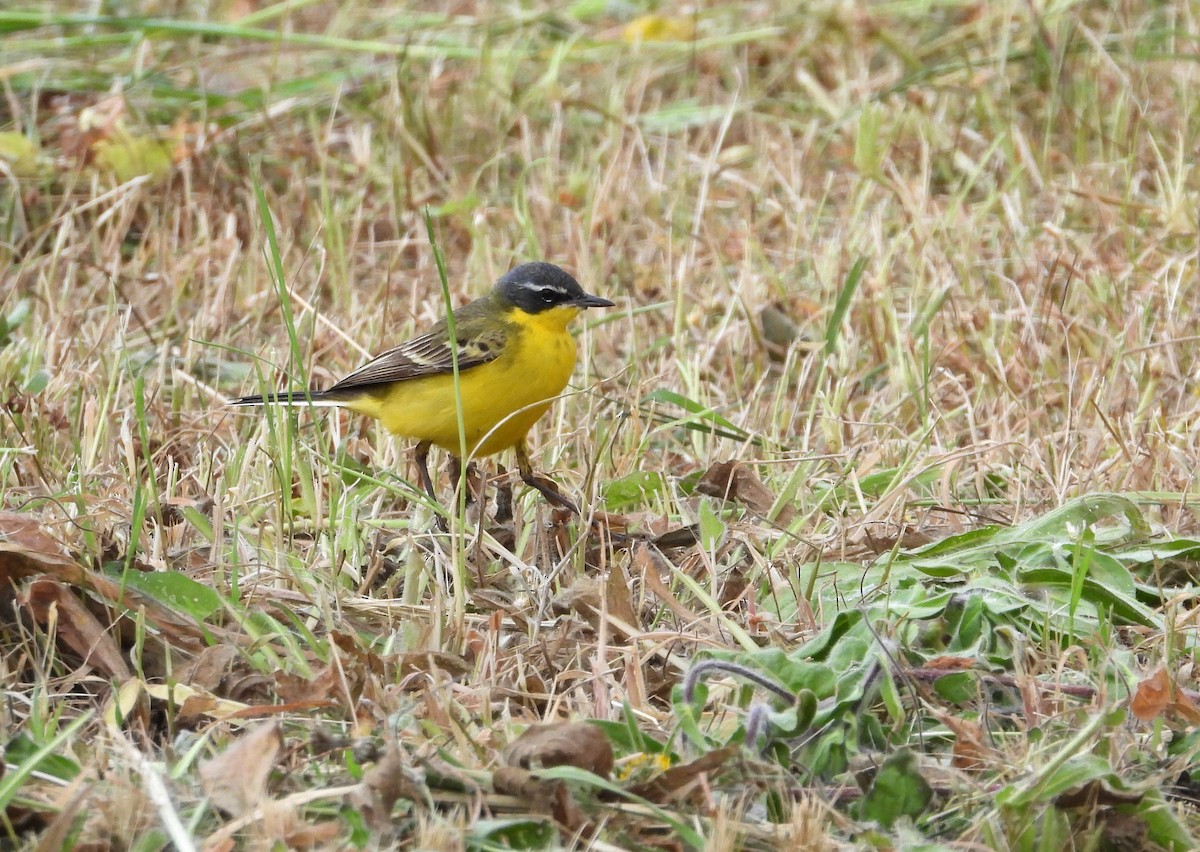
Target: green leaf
(177,591)
(1128,610)
(14,778)
(1163,825)
(683,830)
(898,790)
(712,528)
(956,688)
(845,297)
(22,748)
(633,490)
(697,411)
(512,833)
(37,383)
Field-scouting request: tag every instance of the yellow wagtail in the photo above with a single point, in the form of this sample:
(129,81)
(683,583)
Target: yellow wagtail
(515,356)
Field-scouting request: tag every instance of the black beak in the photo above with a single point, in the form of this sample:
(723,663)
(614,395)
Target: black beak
(587,300)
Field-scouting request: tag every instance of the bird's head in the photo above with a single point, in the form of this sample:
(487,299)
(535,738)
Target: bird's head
(536,288)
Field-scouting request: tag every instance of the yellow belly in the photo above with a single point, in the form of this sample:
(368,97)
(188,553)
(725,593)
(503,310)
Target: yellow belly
(501,400)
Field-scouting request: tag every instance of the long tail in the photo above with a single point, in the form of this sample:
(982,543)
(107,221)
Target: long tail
(294,397)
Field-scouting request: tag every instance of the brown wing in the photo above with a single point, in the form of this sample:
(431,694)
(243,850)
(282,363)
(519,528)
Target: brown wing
(427,355)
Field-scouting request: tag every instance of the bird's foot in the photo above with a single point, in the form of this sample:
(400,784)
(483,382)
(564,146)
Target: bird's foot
(548,489)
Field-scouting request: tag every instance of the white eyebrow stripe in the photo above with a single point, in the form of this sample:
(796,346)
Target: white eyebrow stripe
(543,285)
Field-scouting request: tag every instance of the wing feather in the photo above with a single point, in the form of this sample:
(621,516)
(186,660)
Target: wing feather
(426,355)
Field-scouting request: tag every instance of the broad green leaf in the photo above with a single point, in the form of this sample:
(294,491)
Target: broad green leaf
(176,590)
(898,790)
(511,833)
(712,528)
(633,490)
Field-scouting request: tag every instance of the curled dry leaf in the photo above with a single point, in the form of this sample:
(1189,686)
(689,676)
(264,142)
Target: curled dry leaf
(26,550)
(1158,695)
(545,796)
(236,779)
(391,779)
(577,744)
(51,602)
(971,751)
(210,667)
(733,480)
(592,599)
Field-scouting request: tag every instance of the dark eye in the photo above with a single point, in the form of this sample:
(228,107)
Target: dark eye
(549,295)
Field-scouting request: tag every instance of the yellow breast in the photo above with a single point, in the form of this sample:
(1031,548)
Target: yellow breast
(501,399)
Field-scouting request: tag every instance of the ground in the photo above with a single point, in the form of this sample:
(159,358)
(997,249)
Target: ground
(885,455)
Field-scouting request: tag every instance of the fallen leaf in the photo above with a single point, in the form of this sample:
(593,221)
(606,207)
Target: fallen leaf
(27,550)
(971,751)
(384,784)
(58,607)
(1158,695)
(619,598)
(1097,793)
(577,744)
(210,667)
(236,779)
(732,480)
(951,664)
(544,796)
(678,779)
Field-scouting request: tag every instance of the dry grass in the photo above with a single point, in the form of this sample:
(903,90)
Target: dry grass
(1018,185)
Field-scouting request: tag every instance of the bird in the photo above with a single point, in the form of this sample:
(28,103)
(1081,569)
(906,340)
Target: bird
(515,355)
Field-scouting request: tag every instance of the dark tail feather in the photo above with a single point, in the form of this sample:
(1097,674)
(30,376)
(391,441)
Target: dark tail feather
(296,397)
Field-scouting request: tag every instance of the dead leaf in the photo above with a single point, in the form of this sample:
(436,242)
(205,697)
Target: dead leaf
(210,667)
(679,779)
(27,550)
(236,779)
(294,687)
(733,480)
(618,593)
(577,744)
(544,796)
(951,664)
(1152,696)
(971,751)
(1159,695)
(57,606)
(384,784)
(1096,792)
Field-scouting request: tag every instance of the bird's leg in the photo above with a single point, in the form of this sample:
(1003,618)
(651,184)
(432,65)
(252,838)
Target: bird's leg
(454,466)
(544,485)
(422,455)
(504,496)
